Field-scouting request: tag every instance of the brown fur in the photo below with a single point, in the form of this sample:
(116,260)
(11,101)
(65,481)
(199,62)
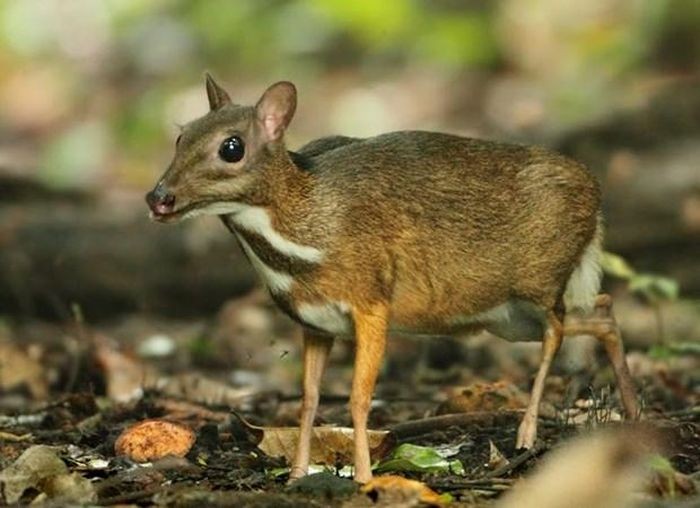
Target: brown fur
(436,224)
(416,228)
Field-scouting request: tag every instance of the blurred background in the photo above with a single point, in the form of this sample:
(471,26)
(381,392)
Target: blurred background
(92,93)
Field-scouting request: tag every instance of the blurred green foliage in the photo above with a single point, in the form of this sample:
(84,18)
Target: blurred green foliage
(652,287)
(95,87)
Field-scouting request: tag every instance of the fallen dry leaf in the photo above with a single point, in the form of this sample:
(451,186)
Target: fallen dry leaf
(31,469)
(127,378)
(665,481)
(71,488)
(496,457)
(498,396)
(329,445)
(154,439)
(394,490)
(17,368)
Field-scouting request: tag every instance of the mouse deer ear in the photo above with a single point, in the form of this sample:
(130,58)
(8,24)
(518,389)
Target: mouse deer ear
(276,107)
(218,98)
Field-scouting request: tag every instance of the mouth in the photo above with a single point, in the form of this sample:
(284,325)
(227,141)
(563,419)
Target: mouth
(159,214)
(165,216)
(203,206)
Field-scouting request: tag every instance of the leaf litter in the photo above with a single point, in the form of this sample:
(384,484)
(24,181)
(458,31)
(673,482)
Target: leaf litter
(232,460)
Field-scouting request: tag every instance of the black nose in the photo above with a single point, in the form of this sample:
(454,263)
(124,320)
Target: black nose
(160,201)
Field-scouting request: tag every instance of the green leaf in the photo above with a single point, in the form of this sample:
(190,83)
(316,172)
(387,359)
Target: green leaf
(654,287)
(616,266)
(660,352)
(409,457)
(663,467)
(663,352)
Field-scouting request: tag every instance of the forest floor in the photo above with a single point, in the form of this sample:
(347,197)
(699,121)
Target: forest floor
(68,392)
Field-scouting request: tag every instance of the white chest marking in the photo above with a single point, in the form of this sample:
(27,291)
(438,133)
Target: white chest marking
(278,282)
(332,317)
(256,220)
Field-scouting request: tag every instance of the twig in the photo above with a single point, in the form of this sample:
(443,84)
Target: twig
(660,326)
(8,436)
(426,425)
(189,409)
(128,497)
(689,411)
(517,461)
(494,484)
(74,346)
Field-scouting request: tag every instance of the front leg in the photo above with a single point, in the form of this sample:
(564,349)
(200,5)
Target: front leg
(370,341)
(316,350)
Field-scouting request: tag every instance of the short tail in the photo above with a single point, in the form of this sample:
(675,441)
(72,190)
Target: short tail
(584,283)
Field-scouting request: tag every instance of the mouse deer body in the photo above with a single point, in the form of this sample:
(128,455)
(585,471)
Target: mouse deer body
(412,232)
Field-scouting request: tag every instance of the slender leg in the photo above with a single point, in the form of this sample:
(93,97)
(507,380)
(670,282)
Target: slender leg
(603,327)
(370,337)
(316,350)
(527,432)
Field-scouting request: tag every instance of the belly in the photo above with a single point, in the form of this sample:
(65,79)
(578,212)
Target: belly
(515,320)
(332,317)
(420,308)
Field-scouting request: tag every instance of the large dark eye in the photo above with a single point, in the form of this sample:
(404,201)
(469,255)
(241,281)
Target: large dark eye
(231,150)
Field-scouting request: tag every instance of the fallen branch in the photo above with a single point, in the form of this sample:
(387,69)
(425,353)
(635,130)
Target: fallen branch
(493,484)
(517,461)
(432,423)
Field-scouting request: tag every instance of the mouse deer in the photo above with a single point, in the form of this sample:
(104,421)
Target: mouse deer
(407,232)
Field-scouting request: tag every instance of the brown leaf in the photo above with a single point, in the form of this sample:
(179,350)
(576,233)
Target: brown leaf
(127,378)
(32,468)
(485,397)
(70,487)
(154,439)
(396,490)
(17,368)
(329,445)
(496,457)
(672,485)
(498,396)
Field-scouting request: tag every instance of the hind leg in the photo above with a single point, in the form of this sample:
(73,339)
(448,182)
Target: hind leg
(527,432)
(603,326)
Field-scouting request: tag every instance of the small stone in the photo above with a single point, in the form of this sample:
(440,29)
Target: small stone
(151,440)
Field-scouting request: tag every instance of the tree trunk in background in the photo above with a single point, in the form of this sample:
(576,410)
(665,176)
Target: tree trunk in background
(58,249)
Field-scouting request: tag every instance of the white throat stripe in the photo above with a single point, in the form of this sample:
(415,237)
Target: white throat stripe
(256,220)
(277,282)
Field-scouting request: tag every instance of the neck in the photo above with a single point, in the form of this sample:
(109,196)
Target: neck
(273,228)
(281,207)
(286,190)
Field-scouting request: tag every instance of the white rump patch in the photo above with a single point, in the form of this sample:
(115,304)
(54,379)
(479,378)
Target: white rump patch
(584,283)
(278,282)
(333,317)
(256,220)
